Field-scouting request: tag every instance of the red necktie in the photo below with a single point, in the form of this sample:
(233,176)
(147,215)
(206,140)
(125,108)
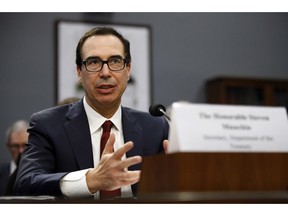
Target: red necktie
(105,135)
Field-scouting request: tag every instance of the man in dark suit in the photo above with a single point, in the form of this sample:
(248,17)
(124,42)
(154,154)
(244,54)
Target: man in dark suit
(16,138)
(4,177)
(63,156)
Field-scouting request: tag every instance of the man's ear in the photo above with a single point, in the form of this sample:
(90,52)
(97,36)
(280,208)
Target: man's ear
(129,69)
(79,74)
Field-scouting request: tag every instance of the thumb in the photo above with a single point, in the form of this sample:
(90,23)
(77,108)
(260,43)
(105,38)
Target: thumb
(165,146)
(109,145)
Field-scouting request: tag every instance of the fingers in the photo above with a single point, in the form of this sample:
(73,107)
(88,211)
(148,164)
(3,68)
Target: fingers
(165,146)
(124,178)
(130,177)
(122,150)
(109,145)
(129,162)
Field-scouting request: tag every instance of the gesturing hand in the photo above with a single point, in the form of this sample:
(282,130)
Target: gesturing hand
(112,173)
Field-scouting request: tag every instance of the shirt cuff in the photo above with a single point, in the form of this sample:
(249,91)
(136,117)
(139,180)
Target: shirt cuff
(74,185)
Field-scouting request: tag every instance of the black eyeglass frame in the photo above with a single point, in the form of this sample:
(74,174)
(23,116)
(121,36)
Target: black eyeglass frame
(104,62)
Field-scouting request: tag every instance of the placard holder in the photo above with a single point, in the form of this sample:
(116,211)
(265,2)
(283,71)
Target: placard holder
(219,150)
(214,172)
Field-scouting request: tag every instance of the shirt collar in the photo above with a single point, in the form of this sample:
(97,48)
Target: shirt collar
(95,120)
(13,166)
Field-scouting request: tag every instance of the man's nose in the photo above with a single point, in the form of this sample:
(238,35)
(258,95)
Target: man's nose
(21,148)
(105,70)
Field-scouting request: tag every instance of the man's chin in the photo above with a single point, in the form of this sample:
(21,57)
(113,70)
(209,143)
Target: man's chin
(107,101)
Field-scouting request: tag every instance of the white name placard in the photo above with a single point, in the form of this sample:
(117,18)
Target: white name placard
(227,128)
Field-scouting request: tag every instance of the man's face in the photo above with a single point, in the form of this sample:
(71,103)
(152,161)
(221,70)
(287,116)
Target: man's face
(17,143)
(103,89)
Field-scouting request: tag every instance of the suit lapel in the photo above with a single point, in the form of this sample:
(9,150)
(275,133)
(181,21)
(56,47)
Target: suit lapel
(132,131)
(77,130)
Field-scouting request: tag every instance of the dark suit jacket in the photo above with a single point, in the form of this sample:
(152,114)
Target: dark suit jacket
(4,177)
(60,142)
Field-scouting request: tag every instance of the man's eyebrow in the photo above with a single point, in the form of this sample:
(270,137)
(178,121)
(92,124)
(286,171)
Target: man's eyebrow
(97,57)
(93,57)
(116,56)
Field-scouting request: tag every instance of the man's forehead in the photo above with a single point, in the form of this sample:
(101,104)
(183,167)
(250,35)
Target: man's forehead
(102,47)
(18,135)
(103,41)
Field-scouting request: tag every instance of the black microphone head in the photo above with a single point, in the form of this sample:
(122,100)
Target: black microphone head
(154,110)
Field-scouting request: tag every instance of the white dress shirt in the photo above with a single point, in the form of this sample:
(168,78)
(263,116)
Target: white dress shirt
(13,166)
(74,184)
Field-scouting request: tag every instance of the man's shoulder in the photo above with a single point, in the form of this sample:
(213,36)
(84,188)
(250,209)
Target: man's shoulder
(57,111)
(132,111)
(141,115)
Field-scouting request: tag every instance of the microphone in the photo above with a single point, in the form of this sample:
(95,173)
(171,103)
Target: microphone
(158,110)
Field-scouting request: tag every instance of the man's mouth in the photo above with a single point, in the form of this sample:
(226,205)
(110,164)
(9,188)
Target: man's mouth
(106,88)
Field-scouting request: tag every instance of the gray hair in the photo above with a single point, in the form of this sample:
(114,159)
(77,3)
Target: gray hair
(18,126)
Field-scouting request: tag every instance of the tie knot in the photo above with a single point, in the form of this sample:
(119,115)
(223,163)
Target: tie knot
(107,126)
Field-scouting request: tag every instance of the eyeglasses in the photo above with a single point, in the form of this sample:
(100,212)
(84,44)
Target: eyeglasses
(95,64)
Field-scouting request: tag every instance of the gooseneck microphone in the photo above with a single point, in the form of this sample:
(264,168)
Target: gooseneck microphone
(158,110)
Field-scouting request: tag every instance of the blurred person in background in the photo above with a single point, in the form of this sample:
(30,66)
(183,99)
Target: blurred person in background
(16,139)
